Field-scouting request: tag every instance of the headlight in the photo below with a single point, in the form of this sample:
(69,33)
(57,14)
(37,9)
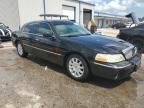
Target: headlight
(109,58)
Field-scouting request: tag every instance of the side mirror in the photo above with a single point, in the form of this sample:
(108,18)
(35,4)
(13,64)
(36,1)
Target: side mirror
(50,36)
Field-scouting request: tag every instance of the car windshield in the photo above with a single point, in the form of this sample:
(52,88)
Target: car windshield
(71,29)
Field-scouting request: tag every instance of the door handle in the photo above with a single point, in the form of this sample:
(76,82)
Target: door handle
(34,40)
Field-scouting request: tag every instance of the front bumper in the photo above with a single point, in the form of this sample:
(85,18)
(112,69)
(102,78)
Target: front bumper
(116,71)
(5,38)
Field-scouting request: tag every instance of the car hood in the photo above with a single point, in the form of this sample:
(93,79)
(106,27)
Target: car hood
(103,44)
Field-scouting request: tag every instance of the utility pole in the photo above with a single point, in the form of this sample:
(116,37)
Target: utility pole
(80,12)
(44,7)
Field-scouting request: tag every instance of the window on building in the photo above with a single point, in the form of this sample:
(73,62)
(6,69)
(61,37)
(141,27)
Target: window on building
(70,12)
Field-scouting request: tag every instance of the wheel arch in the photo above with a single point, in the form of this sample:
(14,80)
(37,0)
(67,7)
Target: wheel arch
(16,42)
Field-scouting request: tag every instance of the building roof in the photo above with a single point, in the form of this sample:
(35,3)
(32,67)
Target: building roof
(81,1)
(107,15)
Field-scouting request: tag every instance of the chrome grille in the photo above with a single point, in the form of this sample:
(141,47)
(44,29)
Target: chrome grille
(131,53)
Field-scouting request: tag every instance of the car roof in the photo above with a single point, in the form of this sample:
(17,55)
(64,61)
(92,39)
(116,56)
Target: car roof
(53,22)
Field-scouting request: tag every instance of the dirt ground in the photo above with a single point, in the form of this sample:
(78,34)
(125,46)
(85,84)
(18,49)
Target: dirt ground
(35,83)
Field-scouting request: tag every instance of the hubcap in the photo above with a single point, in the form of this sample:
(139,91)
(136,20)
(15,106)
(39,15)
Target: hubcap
(76,67)
(20,49)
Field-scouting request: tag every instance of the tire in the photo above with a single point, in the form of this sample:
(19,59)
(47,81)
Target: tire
(77,67)
(20,50)
(139,43)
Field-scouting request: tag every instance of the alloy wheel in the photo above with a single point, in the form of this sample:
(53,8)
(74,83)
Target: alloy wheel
(20,49)
(76,67)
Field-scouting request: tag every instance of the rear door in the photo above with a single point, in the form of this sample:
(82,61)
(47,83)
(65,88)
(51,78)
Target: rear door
(27,34)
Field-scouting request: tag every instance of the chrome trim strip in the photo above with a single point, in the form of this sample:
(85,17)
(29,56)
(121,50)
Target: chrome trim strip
(116,67)
(43,50)
(127,49)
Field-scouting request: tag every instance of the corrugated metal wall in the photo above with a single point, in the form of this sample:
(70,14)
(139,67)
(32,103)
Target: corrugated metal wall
(9,13)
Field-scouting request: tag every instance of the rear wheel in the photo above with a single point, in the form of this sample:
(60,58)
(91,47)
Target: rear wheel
(77,67)
(20,50)
(139,43)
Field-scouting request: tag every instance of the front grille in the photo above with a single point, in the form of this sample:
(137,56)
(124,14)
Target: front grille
(6,32)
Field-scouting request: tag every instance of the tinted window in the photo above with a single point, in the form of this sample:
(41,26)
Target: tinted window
(31,28)
(44,28)
(37,28)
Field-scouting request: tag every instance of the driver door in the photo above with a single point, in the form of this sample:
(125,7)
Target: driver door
(44,46)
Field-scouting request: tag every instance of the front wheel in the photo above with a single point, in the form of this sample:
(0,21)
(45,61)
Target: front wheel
(20,50)
(77,67)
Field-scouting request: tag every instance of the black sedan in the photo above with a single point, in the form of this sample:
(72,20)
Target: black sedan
(81,53)
(118,26)
(134,35)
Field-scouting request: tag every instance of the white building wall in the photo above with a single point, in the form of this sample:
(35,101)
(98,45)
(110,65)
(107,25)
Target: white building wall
(9,13)
(30,10)
(79,6)
(73,4)
(53,6)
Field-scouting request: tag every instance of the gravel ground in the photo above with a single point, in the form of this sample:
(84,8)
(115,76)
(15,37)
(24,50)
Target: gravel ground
(35,83)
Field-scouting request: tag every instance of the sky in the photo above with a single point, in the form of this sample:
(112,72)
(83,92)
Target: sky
(119,7)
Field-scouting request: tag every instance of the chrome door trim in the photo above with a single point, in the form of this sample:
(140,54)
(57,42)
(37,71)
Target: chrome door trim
(43,50)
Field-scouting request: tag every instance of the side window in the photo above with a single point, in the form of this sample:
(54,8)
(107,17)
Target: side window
(44,28)
(25,29)
(37,28)
(31,28)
